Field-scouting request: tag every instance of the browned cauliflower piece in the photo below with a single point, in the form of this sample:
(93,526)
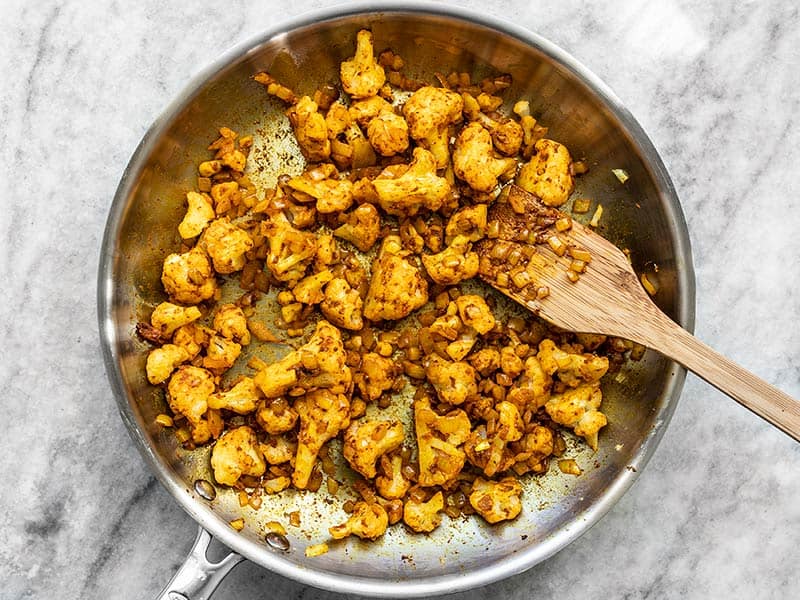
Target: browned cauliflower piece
(230,322)
(323,414)
(327,252)
(447,326)
(188,277)
(363,111)
(418,187)
(388,134)
(397,287)
(276,416)
(198,215)
(475,313)
(473,160)
(221,354)
(454,381)
(342,305)
(547,174)
(290,250)
(168,317)
(507,136)
(496,501)
(367,521)
(375,375)
(161,362)
(362,76)
(486,361)
(237,453)
(192,338)
(578,409)
(430,111)
(392,484)
(361,227)
(279,449)
(469,221)
(187,393)
(366,441)
(310,130)
(532,390)
(571,368)
(331,194)
(242,398)
(424,517)
(533,450)
(510,363)
(454,264)
(226,244)
(439,439)
(310,290)
(491,452)
(225,196)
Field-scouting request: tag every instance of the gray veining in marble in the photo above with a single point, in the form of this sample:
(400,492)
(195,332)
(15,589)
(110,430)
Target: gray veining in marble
(715,84)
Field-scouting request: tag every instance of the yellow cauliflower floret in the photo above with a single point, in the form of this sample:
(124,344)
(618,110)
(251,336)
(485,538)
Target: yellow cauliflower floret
(534,447)
(397,287)
(496,501)
(327,251)
(547,174)
(237,453)
(342,305)
(230,322)
(510,363)
(161,362)
(375,375)
(447,326)
(362,76)
(242,398)
(491,452)
(363,111)
(454,264)
(485,361)
(362,227)
(507,137)
(168,317)
(469,221)
(438,440)
(290,250)
(226,244)
(187,393)
(323,414)
(310,130)
(533,389)
(392,484)
(198,215)
(192,338)
(188,277)
(473,161)
(221,354)
(367,521)
(430,111)
(418,187)
(388,134)
(571,368)
(309,290)
(366,441)
(332,195)
(577,408)
(475,313)
(454,381)
(225,196)
(279,449)
(276,416)
(424,517)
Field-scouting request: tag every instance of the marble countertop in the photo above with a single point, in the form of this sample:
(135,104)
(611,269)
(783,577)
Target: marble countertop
(715,84)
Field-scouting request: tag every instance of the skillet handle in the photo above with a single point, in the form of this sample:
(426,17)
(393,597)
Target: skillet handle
(197,578)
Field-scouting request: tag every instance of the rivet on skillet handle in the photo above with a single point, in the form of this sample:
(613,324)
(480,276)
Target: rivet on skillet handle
(198,577)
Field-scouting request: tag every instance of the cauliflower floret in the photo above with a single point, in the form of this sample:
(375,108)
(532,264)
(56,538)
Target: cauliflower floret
(237,453)
(342,305)
(469,221)
(392,484)
(510,363)
(532,391)
(310,289)
(424,517)
(485,361)
(388,134)
(496,501)
(168,317)
(198,215)
(397,287)
(188,277)
(362,227)
(507,137)
(454,264)
(571,368)
(231,323)
(454,381)
(279,449)
(323,414)
(577,408)
(438,441)
(547,174)
(332,195)
(366,441)
(491,453)
(473,161)
(187,393)
(362,76)
(221,354)
(475,313)
(161,362)
(318,364)
(419,186)
(375,375)
(533,450)
(290,250)
(447,326)
(225,196)
(367,521)
(363,111)
(276,416)
(430,111)
(226,244)
(192,338)
(310,130)
(327,251)
(242,398)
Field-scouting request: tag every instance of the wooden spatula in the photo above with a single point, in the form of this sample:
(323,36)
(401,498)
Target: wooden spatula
(529,257)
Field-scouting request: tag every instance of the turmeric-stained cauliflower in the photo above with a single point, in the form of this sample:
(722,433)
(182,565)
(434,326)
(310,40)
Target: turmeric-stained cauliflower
(392,484)
(454,264)
(473,160)
(416,188)
(188,277)
(198,215)
(532,390)
(310,130)
(397,287)
(322,415)
(310,290)
(230,322)
(454,381)
(363,111)
(375,375)
(276,416)
(342,305)
(547,174)
(388,134)
(496,501)
(366,441)
(361,227)
(475,313)
(226,244)
(367,521)
(571,368)
(362,76)
(237,453)
(430,111)
(331,194)
(534,448)
(221,354)
(490,452)
(192,338)
(469,222)
(424,517)
(578,409)
(279,449)
(161,362)
(168,317)
(242,398)
(187,393)
(439,438)
(290,250)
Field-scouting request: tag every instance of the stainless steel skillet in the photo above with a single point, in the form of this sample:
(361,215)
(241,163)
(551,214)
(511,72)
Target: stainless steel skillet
(643,215)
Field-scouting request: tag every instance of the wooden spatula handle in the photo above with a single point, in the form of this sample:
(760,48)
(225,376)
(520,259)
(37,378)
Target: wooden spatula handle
(765,400)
